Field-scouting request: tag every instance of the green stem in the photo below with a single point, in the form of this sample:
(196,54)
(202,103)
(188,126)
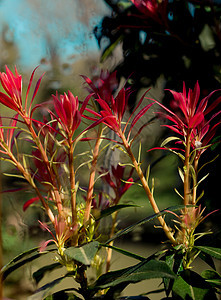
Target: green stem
(109,250)
(92,179)
(73,188)
(196,161)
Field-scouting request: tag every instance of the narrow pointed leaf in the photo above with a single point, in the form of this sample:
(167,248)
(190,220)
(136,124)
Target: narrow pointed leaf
(168,140)
(22,259)
(108,51)
(139,115)
(207,259)
(214,252)
(124,252)
(181,174)
(44,291)
(110,210)
(39,274)
(142,271)
(145,220)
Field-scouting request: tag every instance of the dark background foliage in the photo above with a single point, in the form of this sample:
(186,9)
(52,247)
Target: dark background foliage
(179,40)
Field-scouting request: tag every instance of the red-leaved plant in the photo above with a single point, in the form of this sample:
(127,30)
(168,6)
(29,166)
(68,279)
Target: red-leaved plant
(74,213)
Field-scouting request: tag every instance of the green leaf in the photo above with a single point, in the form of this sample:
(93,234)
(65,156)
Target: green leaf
(145,220)
(39,274)
(110,210)
(208,259)
(124,252)
(84,254)
(148,173)
(21,260)
(190,285)
(214,252)
(14,175)
(63,296)
(108,51)
(168,140)
(44,291)
(175,262)
(144,270)
(210,274)
(212,277)
(181,174)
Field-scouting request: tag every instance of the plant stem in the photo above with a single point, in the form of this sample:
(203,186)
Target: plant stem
(28,177)
(73,189)
(186,183)
(56,195)
(109,250)
(147,190)
(82,279)
(196,161)
(92,179)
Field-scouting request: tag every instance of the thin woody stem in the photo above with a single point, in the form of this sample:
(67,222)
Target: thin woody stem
(28,177)
(92,178)
(196,161)
(147,189)
(109,250)
(73,188)
(187,171)
(56,193)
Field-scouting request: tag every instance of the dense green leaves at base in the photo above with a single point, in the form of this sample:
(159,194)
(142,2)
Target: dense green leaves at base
(142,271)
(190,285)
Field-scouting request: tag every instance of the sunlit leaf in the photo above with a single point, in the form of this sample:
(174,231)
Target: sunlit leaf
(181,174)
(84,254)
(178,193)
(168,140)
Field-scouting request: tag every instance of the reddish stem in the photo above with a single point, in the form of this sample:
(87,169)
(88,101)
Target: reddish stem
(186,183)
(55,194)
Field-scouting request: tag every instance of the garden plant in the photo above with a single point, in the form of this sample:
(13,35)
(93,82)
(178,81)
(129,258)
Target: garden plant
(74,211)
